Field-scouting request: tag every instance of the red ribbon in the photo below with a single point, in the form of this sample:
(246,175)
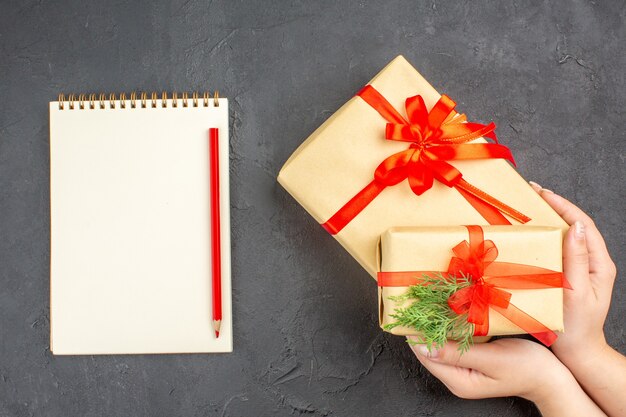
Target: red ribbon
(435,137)
(476,259)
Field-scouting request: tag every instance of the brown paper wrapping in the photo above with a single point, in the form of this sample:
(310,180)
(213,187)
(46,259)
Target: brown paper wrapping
(340,157)
(430,249)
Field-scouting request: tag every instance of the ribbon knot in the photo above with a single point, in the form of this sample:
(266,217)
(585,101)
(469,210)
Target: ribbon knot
(473,257)
(419,134)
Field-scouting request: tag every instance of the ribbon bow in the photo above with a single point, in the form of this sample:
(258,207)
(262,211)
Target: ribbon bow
(435,137)
(476,260)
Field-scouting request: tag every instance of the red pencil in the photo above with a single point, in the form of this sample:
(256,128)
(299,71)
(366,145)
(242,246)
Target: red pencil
(216,258)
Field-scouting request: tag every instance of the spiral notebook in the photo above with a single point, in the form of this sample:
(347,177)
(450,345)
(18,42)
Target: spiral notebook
(130,224)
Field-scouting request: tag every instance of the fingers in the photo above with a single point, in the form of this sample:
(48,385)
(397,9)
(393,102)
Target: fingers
(479,357)
(462,382)
(576,258)
(599,258)
(564,208)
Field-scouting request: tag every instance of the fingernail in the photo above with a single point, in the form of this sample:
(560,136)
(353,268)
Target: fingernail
(579,230)
(535,186)
(538,188)
(423,351)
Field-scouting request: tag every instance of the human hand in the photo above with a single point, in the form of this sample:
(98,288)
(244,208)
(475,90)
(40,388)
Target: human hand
(591,272)
(509,367)
(582,347)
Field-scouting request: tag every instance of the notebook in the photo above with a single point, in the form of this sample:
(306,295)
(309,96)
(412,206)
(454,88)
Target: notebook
(130,267)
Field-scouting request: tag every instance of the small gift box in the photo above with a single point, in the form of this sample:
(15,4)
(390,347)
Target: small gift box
(397,154)
(500,280)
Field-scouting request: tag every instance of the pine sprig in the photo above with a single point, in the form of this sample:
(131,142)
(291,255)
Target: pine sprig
(430,314)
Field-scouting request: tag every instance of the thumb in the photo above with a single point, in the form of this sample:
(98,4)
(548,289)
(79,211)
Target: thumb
(478,357)
(576,257)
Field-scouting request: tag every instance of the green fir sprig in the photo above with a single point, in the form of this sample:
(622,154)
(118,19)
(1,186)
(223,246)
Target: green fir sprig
(430,314)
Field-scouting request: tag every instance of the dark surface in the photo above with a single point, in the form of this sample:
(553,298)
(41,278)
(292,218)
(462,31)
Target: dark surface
(551,75)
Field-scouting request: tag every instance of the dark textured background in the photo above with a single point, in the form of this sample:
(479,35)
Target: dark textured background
(551,74)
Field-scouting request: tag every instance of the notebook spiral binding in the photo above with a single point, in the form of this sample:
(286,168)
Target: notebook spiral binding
(92,101)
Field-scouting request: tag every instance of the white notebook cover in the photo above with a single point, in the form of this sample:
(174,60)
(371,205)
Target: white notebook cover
(130,229)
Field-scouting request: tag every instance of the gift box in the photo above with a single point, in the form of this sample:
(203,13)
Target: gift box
(351,173)
(515,272)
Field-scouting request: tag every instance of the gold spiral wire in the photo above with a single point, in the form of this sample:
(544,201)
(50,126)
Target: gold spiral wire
(186,99)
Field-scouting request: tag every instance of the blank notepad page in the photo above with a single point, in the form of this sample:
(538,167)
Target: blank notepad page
(130,227)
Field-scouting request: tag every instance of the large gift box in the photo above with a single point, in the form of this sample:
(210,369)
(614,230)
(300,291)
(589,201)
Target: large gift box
(515,275)
(351,173)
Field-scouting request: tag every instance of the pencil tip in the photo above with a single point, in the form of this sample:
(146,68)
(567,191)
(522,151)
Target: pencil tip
(216,326)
